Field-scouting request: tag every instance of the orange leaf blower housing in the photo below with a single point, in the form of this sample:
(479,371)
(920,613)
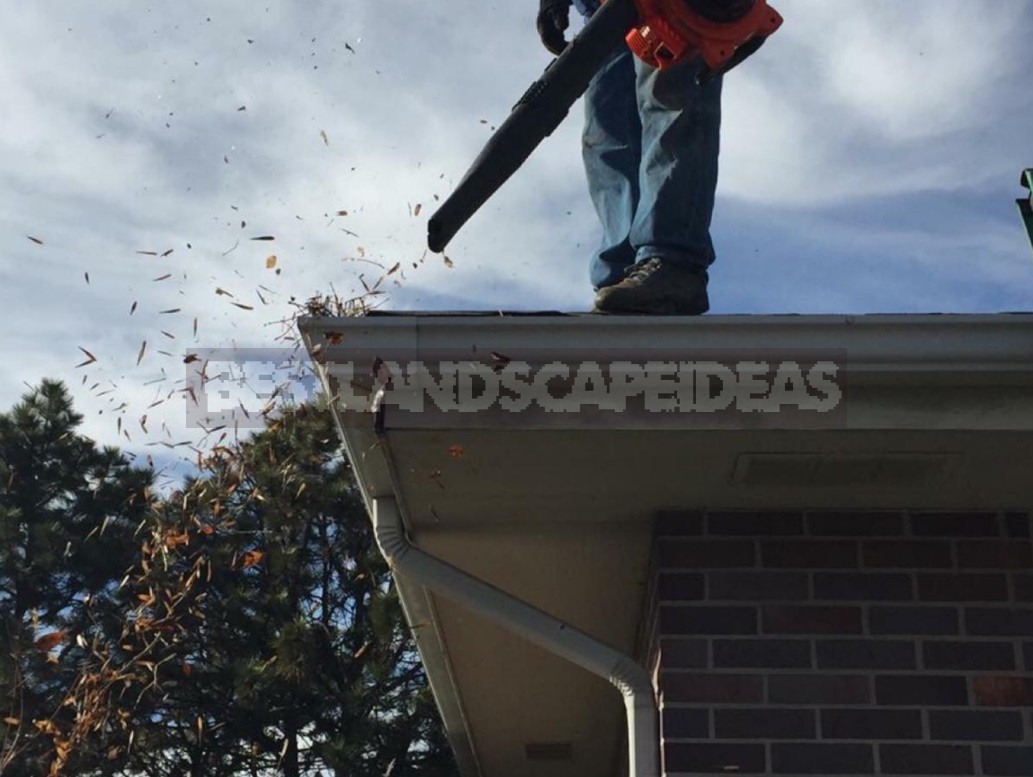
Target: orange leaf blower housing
(671,32)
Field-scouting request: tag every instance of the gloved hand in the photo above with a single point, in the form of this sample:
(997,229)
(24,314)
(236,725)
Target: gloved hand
(553,19)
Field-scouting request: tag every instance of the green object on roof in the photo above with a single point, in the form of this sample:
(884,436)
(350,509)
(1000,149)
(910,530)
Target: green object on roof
(1026,205)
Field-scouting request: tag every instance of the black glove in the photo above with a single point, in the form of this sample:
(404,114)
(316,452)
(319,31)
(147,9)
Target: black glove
(553,19)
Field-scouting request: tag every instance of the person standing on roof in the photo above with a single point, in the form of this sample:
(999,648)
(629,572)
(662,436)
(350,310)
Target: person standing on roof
(650,147)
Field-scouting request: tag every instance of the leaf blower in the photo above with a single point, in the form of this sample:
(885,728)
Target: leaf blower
(662,33)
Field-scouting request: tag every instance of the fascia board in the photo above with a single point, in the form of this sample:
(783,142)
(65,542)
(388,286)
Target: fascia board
(370,458)
(878,343)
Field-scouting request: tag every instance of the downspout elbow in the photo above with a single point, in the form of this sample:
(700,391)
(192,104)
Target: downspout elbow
(390,536)
(560,638)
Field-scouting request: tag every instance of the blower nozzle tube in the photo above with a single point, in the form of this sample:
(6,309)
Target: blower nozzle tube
(535,116)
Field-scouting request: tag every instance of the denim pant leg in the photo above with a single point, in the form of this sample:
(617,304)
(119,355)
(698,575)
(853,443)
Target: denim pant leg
(612,150)
(681,122)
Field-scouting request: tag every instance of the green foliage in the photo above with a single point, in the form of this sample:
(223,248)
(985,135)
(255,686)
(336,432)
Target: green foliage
(67,514)
(248,628)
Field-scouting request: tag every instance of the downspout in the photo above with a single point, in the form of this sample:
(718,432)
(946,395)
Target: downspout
(534,625)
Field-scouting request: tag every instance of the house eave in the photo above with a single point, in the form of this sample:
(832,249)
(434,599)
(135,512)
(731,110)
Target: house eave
(900,353)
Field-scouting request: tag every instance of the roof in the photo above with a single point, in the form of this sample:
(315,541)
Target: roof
(556,507)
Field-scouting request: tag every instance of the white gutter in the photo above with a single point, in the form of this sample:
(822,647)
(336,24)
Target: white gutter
(534,625)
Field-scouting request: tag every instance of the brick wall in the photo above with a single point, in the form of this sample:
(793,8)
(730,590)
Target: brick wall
(850,643)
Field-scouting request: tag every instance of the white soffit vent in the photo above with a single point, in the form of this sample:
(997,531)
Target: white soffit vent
(842,469)
(549,751)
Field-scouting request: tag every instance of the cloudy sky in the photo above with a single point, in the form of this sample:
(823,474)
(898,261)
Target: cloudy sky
(871,156)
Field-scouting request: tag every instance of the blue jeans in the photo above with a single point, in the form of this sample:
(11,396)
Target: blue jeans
(650,147)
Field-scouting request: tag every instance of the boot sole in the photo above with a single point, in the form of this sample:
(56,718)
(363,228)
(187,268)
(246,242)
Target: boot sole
(660,308)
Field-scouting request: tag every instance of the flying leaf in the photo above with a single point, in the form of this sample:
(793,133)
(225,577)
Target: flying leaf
(35,240)
(166,253)
(449,263)
(325,137)
(264,237)
(419,207)
(48,642)
(456,451)
(242,306)
(147,253)
(90,358)
(143,350)
(220,292)
(171,310)
(86,275)
(270,261)
(164,277)
(132,309)
(252,558)
(499,361)
(191,358)
(394,269)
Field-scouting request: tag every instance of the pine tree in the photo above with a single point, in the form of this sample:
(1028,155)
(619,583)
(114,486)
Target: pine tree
(262,635)
(68,510)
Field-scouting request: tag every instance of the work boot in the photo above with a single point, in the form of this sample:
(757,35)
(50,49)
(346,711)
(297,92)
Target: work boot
(658,288)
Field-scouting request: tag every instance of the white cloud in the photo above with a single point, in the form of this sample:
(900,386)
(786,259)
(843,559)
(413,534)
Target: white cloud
(121,132)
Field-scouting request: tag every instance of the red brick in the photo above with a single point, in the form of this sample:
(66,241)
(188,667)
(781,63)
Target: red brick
(711,688)
(678,523)
(968,587)
(975,726)
(822,759)
(678,621)
(1017,525)
(941,654)
(999,622)
(758,586)
(1007,761)
(765,723)
(955,525)
(921,690)
(704,554)
(871,724)
(811,620)
(863,586)
(683,653)
(810,554)
(937,760)
(933,621)
(866,654)
(1003,691)
(995,554)
(753,524)
(709,758)
(679,586)
(907,554)
(1024,588)
(682,723)
(819,689)
(762,654)
(855,524)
